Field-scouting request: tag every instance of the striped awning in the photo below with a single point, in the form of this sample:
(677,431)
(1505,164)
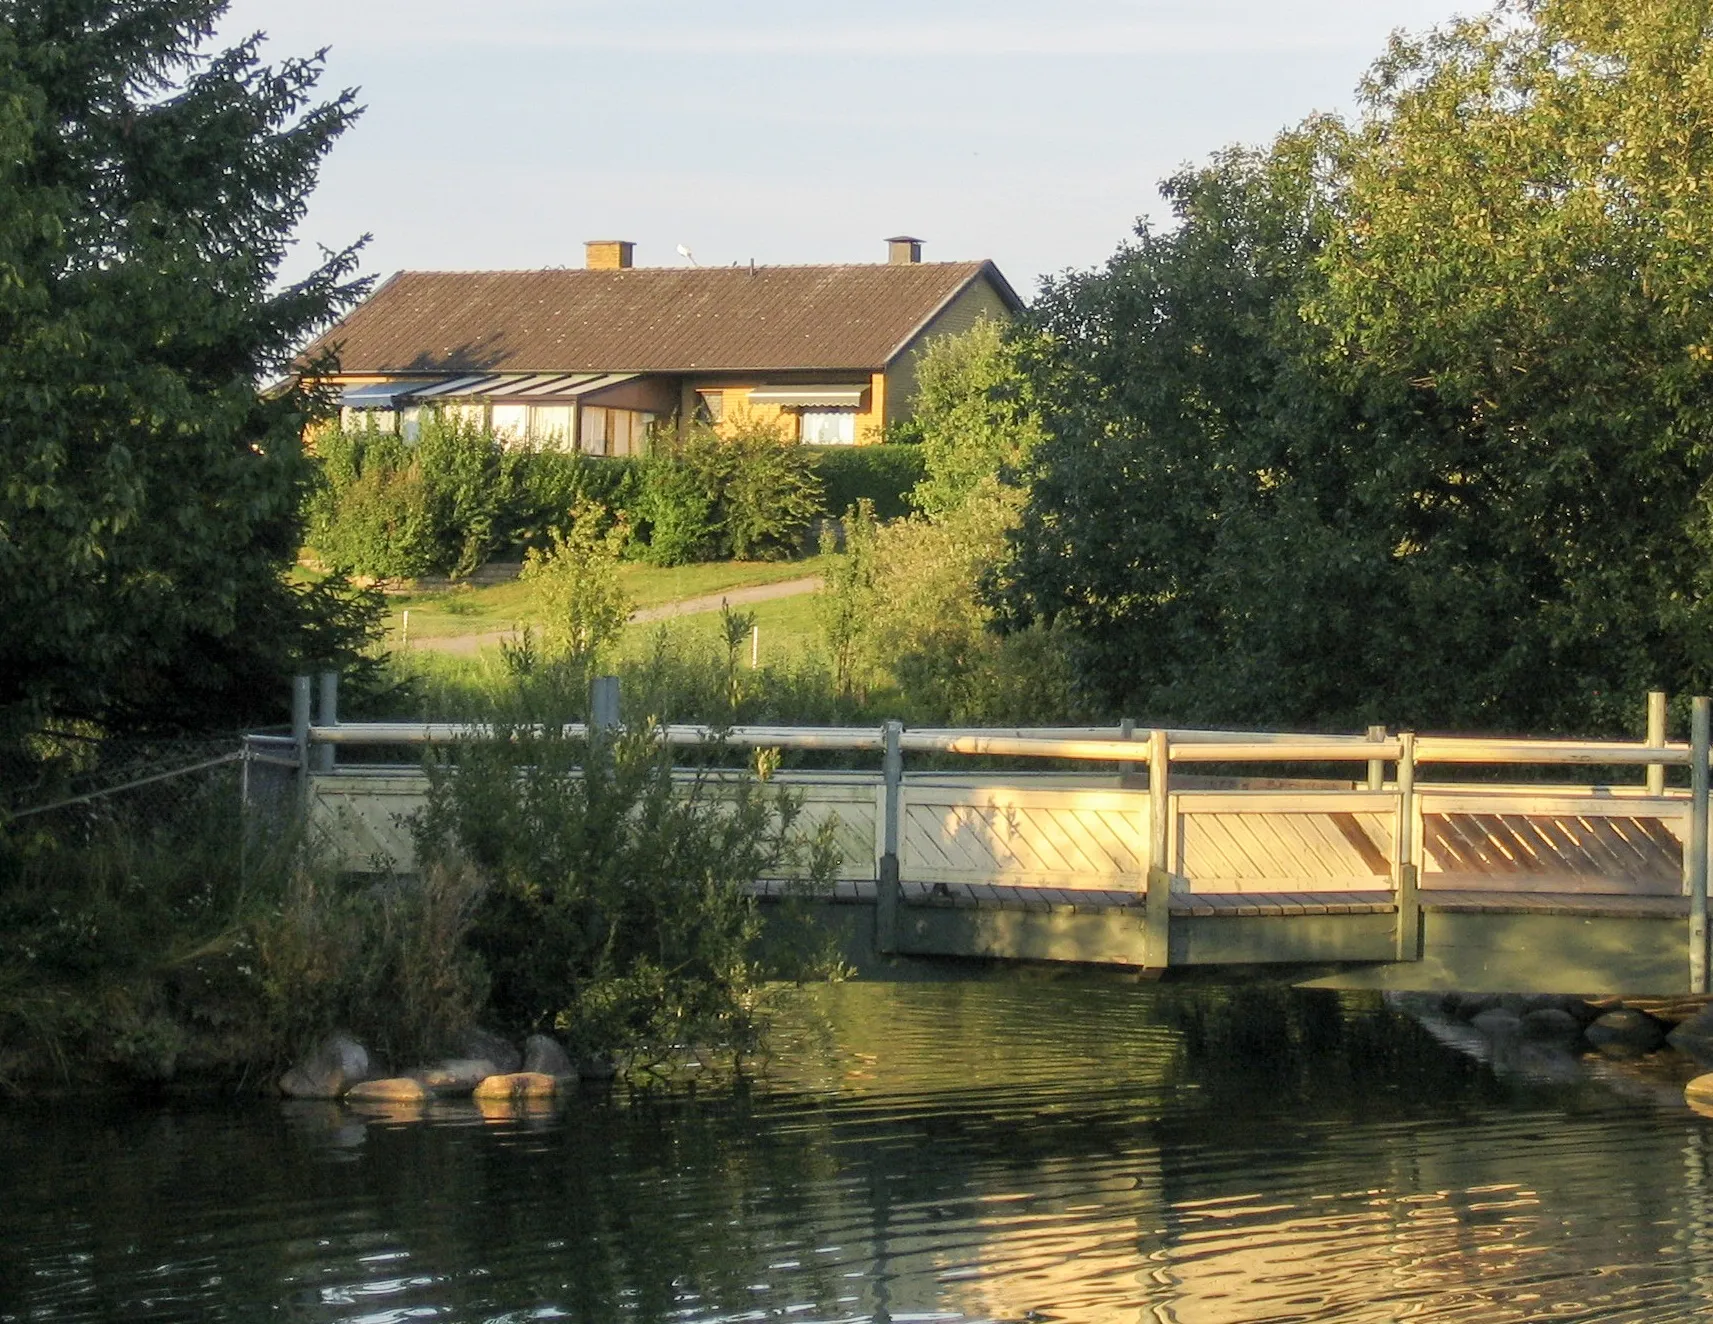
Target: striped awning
(539,387)
(824,397)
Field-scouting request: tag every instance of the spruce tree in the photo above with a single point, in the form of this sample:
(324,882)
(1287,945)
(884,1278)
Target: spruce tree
(150,484)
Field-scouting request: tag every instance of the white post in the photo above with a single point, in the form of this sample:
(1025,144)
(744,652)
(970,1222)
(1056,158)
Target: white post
(1696,863)
(1157,936)
(328,715)
(1409,936)
(1376,767)
(754,647)
(404,634)
(1656,738)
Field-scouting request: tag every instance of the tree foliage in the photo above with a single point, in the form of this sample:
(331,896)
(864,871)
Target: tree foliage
(149,493)
(1404,420)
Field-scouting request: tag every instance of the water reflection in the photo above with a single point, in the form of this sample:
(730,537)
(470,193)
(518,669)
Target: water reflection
(982,1151)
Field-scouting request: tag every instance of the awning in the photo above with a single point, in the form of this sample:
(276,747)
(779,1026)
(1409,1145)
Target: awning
(816,397)
(380,395)
(523,386)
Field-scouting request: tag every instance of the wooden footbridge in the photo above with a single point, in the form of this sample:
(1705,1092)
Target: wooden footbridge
(1435,862)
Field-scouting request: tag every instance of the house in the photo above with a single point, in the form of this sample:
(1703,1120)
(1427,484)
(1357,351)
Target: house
(600,354)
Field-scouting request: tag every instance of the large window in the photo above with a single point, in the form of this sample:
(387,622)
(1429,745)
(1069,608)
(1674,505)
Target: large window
(550,425)
(613,431)
(511,422)
(828,427)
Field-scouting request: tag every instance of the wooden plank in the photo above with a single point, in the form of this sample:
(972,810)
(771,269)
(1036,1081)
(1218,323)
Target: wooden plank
(1479,900)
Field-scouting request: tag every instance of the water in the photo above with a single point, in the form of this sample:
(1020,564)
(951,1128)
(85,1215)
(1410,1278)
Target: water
(980,1151)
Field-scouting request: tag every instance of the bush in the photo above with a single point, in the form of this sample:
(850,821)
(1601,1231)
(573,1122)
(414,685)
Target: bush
(749,492)
(883,475)
(551,484)
(618,909)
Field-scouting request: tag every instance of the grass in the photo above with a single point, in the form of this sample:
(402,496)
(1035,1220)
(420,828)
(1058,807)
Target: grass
(481,609)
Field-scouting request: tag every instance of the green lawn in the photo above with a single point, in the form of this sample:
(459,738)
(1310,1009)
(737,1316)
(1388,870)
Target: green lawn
(470,609)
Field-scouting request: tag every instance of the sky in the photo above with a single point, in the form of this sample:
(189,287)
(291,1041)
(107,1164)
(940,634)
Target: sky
(504,133)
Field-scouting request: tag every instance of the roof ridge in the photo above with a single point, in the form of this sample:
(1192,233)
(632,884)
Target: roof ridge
(620,271)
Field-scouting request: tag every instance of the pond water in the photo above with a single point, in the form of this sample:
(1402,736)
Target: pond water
(965,1151)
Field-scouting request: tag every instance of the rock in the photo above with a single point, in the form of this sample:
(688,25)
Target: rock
(483,1045)
(1698,1094)
(394,1089)
(1497,1021)
(329,1069)
(455,1075)
(1471,1005)
(542,1053)
(1695,1036)
(518,1085)
(1626,1029)
(1551,1023)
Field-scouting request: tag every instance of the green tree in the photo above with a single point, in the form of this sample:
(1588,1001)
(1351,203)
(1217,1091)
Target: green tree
(1404,421)
(149,492)
(974,411)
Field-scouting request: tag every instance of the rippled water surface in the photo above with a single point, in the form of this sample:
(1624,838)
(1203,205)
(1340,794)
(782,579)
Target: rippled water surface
(972,1151)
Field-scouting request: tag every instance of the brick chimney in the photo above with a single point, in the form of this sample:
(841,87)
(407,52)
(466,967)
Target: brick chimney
(607,254)
(902,250)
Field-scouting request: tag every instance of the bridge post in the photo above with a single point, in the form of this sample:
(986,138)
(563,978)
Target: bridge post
(1376,767)
(886,872)
(604,703)
(1656,738)
(1404,877)
(300,697)
(327,714)
(1695,859)
(1157,936)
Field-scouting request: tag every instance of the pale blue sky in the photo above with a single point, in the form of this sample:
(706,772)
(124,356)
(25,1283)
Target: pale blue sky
(503,133)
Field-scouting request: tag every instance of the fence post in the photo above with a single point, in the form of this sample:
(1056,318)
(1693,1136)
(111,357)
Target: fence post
(1377,767)
(300,696)
(1403,850)
(604,703)
(1157,938)
(1126,731)
(886,874)
(1696,862)
(327,714)
(1656,738)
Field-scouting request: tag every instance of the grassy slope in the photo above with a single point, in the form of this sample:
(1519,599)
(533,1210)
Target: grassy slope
(467,609)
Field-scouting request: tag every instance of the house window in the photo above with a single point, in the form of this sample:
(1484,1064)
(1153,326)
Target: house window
(613,431)
(511,421)
(364,420)
(550,425)
(713,407)
(828,427)
(410,424)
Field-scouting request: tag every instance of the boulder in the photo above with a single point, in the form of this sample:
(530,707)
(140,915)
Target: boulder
(1551,1023)
(455,1075)
(1695,1036)
(543,1054)
(1471,1005)
(1698,1094)
(483,1045)
(394,1089)
(518,1085)
(329,1069)
(1626,1029)
(1497,1022)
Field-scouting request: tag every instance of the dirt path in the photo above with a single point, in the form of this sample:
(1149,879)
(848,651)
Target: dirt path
(736,597)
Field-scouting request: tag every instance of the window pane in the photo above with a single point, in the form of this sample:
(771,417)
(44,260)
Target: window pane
(594,430)
(410,423)
(550,424)
(829,427)
(511,421)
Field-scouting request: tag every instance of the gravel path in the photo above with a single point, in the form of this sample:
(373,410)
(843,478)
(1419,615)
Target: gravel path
(736,597)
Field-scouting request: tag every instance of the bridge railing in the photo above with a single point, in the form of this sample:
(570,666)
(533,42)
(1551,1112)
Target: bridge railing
(1116,830)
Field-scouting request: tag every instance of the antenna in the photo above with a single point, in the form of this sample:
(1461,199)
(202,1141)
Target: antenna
(685,253)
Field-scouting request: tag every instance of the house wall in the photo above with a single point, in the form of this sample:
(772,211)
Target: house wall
(735,389)
(977,301)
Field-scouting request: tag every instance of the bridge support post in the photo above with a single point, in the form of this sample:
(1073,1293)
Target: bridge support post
(1405,879)
(604,703)
(1377,767)
(1695,859)
(300,699)
(327,714)
(886,872)
(1656,738)
(1157,936)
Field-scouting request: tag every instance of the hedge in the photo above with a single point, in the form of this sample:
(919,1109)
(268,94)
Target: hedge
(884,474)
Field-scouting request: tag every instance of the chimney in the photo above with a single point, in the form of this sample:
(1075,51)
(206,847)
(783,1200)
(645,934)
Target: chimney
(607,254)
(902,250)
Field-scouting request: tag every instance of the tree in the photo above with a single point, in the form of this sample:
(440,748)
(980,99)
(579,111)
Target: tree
(1404,421)
(149,492)
(974,412)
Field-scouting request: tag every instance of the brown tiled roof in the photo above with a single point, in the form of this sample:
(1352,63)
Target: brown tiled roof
(648,319)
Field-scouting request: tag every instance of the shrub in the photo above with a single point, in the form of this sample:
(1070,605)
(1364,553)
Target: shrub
(882,475)
(551,484)
(618,909)
(576,592)
(976,412)
(747,492)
